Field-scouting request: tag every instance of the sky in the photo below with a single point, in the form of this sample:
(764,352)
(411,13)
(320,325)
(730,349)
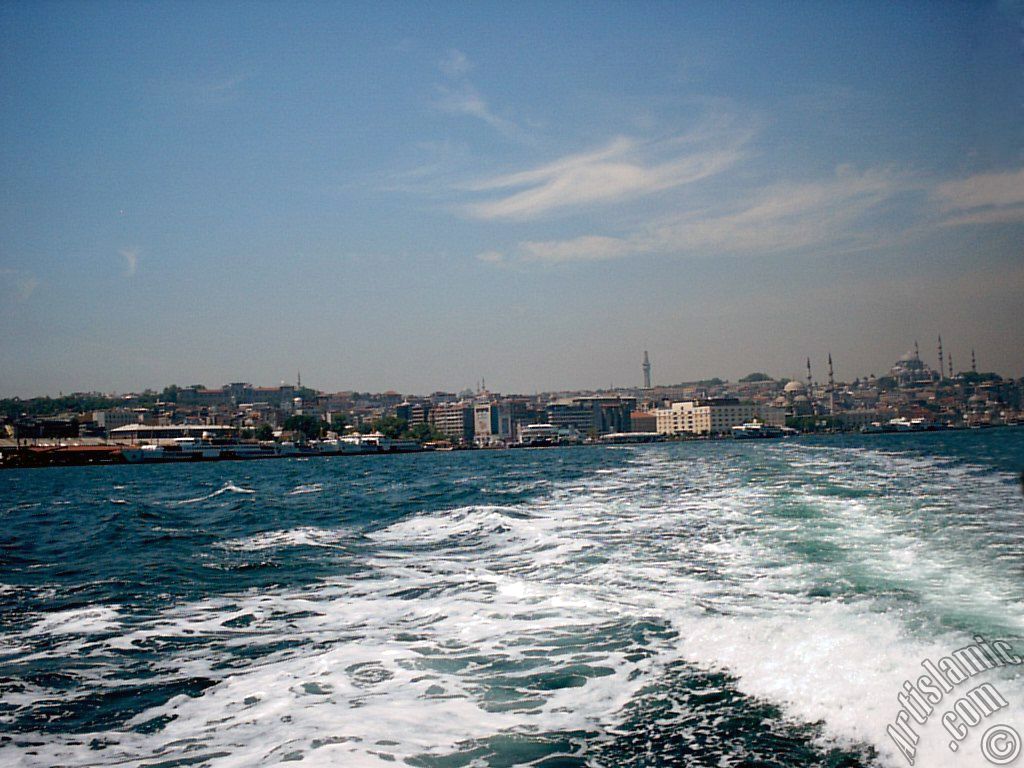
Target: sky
(421,196)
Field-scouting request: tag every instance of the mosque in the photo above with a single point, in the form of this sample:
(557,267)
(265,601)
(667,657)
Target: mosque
(795,398)
(910,370)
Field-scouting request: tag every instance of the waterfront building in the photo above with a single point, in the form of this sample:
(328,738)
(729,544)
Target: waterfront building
(643,421)
(114,418)
(454,420)
(593,414)
(855,419)
(524,411)
(571,416)
(771,415)
(134,433)
(492,424)
(413,413)
(43,428)
(713,416)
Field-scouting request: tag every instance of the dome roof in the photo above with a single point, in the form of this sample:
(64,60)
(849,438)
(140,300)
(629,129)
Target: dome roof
(794,386)
(801,399)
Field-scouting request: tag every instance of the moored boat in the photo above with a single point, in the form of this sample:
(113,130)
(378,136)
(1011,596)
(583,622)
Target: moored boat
(754,430)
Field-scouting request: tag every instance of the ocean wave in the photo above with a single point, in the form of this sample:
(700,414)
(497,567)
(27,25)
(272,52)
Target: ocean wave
(300,490)
(295,537)
(90,620)
(228,487)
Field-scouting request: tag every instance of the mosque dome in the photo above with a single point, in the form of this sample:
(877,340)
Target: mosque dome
(793,386)
(801,399)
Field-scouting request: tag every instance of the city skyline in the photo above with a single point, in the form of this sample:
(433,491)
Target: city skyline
(397,197)
(647,381)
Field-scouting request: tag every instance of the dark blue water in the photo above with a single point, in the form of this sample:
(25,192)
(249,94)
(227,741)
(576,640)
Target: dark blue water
(723,603)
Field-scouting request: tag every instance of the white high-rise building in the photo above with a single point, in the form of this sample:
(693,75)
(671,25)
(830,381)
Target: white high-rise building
(704,417)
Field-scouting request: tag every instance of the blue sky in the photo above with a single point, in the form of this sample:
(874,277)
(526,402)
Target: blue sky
(397,195)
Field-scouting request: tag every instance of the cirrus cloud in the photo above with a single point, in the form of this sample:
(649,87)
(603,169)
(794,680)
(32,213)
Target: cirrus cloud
(18,285)
(985,198)
(131,260)
(782,217)
(619,171)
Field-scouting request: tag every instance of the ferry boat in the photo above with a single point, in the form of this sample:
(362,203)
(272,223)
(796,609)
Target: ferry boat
(181,449)
(335,446)
(901,424)
(374,442)
(754,430)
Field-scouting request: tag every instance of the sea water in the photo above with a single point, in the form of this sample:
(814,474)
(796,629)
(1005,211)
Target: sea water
(712,603)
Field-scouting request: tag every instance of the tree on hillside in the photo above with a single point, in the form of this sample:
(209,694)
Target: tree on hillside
(305,424)
(389,426)
(976,377)
(424,432)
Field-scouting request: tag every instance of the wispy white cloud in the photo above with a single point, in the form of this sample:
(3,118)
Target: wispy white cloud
(986,198)
(786,217)
(585,248)
(491,257)
(995,189)
(1013,214)
(621,170)
(456,64)
(459,96)
(463,99)
(27,286)
(783,217)
(131,260)
(19,284)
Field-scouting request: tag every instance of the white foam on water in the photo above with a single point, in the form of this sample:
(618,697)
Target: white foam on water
(300,490)
(228,487)
(79,621)
(305,536)
(474,621)
(389,669)
(844,666)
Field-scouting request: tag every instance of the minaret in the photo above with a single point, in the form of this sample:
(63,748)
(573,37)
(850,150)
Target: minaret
(647,371)
(831,387)
(298,380)
(810,383)
(950,361)
(940,356)
(974,363)
(917,355)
